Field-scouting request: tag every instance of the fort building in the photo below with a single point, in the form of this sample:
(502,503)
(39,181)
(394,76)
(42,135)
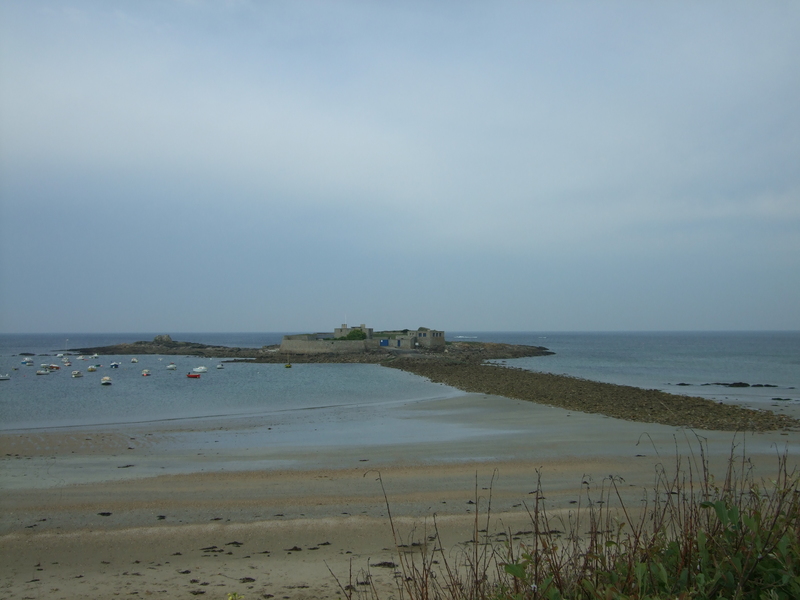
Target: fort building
(348,340)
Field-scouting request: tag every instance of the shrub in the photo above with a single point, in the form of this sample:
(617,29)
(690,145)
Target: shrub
(694,538)
(355,334)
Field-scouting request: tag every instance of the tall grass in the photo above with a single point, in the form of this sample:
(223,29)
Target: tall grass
(694,536)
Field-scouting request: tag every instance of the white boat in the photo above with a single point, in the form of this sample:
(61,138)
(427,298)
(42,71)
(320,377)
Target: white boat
(81,357)
(171,367)
(91,368)
(105,380)
(200,369)
(28,362)
(67,364)
(114,365)
(77,374)
(5,377)
(134,360)
(43,372)
(59,355)
(220,366)
(145,372)
(94,355)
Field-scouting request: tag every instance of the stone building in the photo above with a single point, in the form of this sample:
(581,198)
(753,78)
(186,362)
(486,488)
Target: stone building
(331,343)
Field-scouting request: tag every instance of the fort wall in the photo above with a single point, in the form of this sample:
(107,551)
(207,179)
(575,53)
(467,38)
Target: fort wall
(294,346)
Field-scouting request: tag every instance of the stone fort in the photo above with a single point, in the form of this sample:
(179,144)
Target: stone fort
(331,343)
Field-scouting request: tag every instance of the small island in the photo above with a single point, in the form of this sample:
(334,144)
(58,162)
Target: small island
(344,345)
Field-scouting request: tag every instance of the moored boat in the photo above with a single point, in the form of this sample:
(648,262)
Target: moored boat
(114,365)
(77,374)
(43,372)
(172,366)
(5,377)
(105,380)
(28,362)
(145,372)
(220,366)
(91,368)
(200,369)
(134,360)
(193,375)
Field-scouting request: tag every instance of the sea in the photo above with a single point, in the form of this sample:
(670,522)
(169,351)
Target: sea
(764,365)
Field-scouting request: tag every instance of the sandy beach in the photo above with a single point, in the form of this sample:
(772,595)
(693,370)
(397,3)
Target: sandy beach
(183,511)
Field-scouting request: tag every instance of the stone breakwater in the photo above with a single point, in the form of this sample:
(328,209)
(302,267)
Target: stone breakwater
(618,401)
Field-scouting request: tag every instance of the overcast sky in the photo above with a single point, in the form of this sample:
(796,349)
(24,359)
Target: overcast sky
(210,166)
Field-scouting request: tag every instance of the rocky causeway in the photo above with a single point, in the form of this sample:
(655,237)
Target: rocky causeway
(463,365)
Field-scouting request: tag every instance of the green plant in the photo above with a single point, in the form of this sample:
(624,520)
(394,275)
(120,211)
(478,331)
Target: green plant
(693,538)
(355,334)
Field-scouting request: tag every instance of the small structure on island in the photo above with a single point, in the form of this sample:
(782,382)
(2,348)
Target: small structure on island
(352,340)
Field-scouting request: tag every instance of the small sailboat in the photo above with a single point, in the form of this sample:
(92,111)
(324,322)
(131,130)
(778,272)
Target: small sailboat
(77,374)
(91,368)
(200,369)
(134,360)
(220,366)
(43,372)
(171,367)
(28,362)
(145,372)
(288,365)
(193,375)
(105,380)
(114,365)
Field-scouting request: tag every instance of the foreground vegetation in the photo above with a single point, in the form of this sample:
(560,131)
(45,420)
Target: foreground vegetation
(693,537)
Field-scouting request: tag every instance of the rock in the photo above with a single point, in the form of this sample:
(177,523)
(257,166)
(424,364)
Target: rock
(621,402)
(163,339)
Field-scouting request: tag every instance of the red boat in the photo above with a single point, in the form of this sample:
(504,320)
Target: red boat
(193,375)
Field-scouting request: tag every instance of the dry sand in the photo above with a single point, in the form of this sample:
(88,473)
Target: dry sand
(89,513)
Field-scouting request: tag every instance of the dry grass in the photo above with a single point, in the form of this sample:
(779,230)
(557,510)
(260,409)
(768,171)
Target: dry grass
(693,536)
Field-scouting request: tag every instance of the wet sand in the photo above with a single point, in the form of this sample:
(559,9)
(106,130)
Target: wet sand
(182,512)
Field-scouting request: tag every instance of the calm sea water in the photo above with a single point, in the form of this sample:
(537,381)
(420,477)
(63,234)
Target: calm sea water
(697,361)
(647,360)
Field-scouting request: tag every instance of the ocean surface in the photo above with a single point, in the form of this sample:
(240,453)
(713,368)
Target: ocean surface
(337,397)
